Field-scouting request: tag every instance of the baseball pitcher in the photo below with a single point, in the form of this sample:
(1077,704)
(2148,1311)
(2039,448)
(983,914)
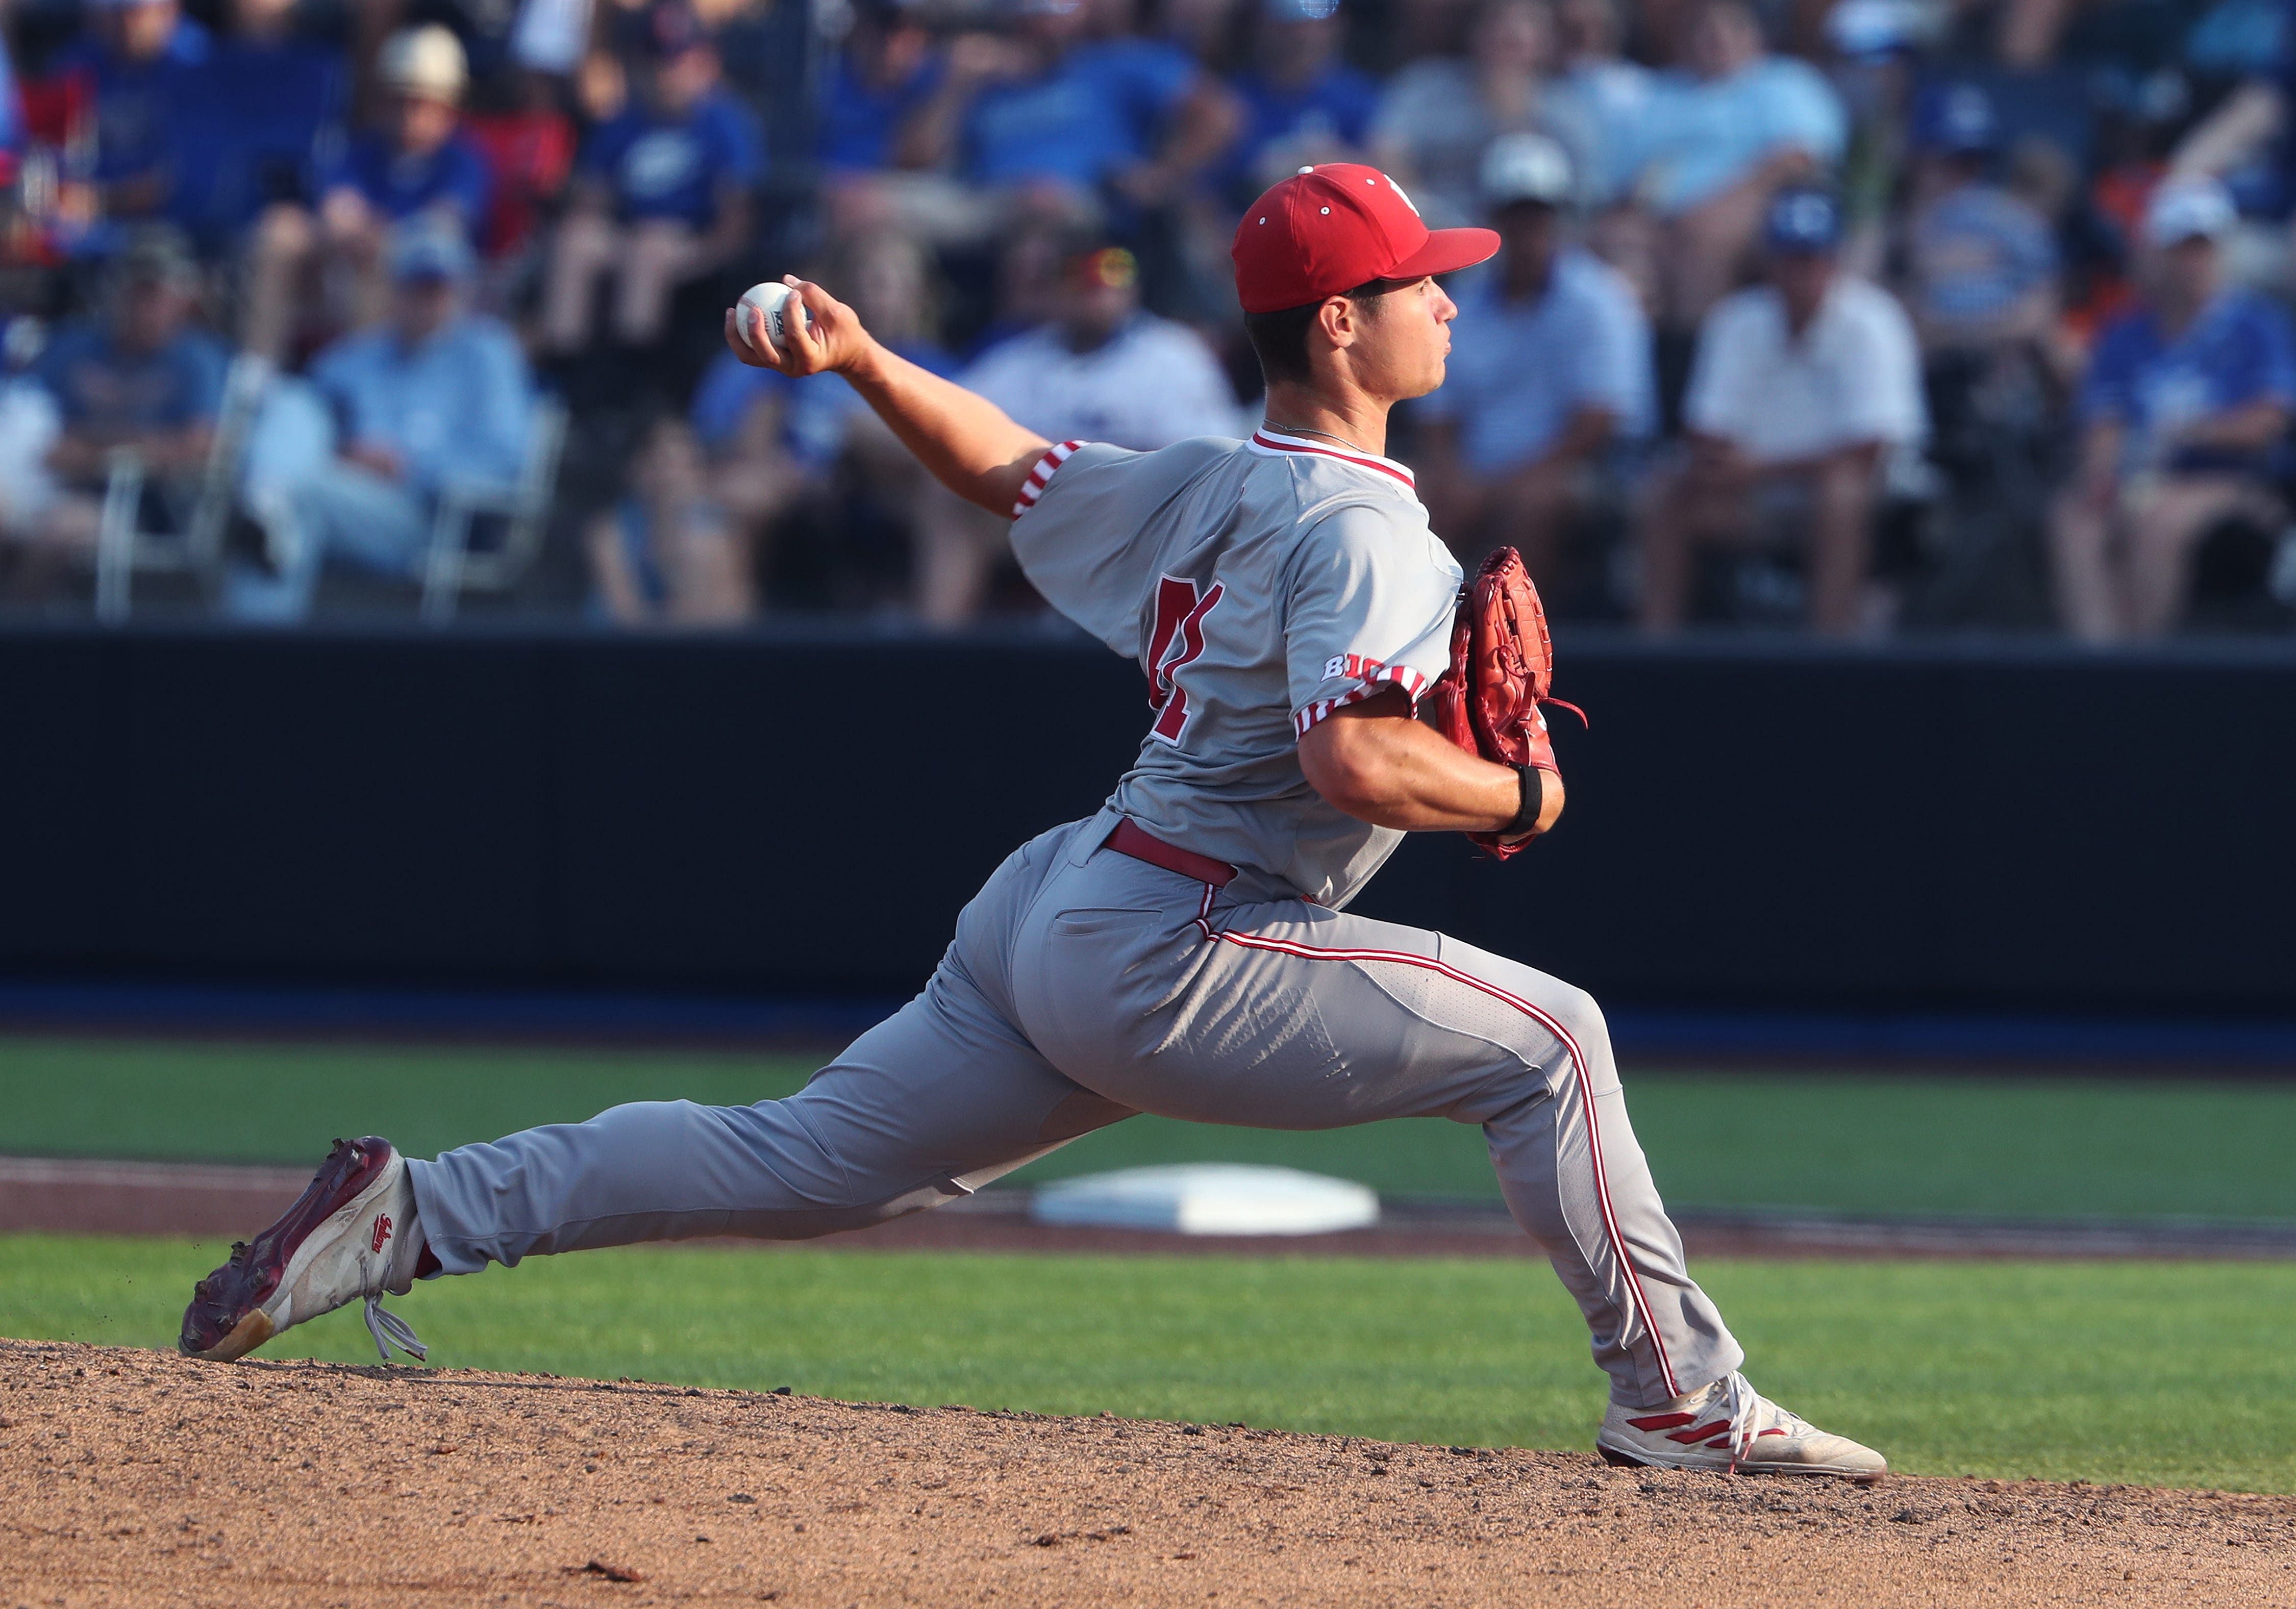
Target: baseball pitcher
(1187,950)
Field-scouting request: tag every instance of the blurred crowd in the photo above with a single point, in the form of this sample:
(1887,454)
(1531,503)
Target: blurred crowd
(1856,315)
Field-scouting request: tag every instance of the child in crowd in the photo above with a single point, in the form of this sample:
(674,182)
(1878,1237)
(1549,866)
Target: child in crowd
(666,554)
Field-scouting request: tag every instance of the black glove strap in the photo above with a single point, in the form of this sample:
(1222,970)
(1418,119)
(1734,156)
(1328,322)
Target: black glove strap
(1526,815)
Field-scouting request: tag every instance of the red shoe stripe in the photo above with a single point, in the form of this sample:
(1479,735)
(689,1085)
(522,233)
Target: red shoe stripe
(1661,1421)
(1700,1432)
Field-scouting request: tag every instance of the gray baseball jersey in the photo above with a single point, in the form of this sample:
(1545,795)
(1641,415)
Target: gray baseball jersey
(1261,586)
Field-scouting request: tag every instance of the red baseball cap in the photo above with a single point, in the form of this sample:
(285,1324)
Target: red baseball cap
(1330,228)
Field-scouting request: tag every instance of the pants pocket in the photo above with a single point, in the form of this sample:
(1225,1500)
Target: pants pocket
(1090,919)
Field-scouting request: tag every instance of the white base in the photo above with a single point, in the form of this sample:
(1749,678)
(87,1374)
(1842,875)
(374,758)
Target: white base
(1209,1198)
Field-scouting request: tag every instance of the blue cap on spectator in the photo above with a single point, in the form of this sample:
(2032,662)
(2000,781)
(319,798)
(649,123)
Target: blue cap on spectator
(1806,222)
(1300,10)
(1956,119)
(431,252)
(2185,209)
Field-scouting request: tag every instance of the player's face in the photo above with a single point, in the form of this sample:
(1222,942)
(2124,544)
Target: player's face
(1398,352)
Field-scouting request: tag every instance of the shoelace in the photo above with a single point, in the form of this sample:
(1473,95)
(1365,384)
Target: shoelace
(1741,1403)
(389,1330)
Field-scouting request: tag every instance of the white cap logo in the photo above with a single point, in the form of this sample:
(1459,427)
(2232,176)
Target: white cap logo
(1407,201)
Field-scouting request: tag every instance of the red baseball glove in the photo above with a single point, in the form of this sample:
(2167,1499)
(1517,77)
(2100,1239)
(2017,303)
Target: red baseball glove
(1501,665)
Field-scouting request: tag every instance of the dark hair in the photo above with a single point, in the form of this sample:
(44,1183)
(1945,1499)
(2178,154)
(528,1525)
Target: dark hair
(1280,338)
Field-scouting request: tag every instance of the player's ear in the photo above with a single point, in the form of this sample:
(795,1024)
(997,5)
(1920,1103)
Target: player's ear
(1340,320)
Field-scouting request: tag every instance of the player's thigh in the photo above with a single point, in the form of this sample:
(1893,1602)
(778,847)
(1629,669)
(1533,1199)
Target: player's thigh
(943,1089)
(1291,1016)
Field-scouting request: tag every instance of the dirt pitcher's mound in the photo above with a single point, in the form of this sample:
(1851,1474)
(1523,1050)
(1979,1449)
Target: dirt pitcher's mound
(132,1477)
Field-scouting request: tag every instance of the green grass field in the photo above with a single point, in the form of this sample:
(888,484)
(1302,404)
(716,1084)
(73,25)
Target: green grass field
(2169,1373)
(1852,1142)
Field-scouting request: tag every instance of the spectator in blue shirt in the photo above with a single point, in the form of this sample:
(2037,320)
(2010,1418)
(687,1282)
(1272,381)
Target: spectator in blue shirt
(144,378)
(2184,413)
(663,192)
(1721,141)
(1550,371)
(418,164)
(885,70)
(1046,111)
(438,397)
(1302,104)
(1981,264)
(248,123)
(1613,95)
(133,57)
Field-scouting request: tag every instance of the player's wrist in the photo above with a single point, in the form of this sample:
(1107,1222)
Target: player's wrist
(1530,795)
(867,360)
(1537,803)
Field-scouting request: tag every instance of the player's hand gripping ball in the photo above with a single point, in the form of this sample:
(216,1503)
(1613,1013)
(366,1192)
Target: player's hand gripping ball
(778,303)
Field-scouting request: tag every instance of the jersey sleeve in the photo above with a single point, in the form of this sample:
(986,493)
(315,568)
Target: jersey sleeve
(1079,531)
(1370,608)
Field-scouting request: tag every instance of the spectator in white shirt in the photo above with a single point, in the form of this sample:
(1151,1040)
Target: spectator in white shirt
(1102,370)
(1550,371)
(1799,389)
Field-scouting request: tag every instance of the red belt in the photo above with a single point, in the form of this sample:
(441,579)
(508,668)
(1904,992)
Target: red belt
(1130,838)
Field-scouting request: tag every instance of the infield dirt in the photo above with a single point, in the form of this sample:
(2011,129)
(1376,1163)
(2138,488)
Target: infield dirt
(132,1477)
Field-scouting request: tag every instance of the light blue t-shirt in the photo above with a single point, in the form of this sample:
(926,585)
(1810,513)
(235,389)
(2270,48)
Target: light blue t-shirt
(1613,98)
(1701,137)
(457,409)
(1518,370)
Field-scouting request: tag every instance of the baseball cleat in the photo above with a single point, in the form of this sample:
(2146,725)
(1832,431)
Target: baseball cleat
(351,1233)
(1730,1427)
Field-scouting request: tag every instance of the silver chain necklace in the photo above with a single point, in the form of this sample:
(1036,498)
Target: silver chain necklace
(1303,429)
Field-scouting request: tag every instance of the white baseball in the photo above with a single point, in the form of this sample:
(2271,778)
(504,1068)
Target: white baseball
(773,299)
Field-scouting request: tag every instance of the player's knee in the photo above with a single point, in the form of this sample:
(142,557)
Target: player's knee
(1579,1023)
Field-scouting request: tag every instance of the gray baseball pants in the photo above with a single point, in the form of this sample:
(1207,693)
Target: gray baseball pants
(1083,987)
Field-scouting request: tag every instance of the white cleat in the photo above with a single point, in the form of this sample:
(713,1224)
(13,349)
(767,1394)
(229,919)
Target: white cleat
(1732,1429)
(352,1233)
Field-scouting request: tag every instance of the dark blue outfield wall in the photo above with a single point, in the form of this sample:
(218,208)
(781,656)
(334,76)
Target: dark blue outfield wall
(1772,827)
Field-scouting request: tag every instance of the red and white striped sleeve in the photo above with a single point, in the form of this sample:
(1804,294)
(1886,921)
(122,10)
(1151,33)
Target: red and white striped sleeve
(1033,487)
(1372,676)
